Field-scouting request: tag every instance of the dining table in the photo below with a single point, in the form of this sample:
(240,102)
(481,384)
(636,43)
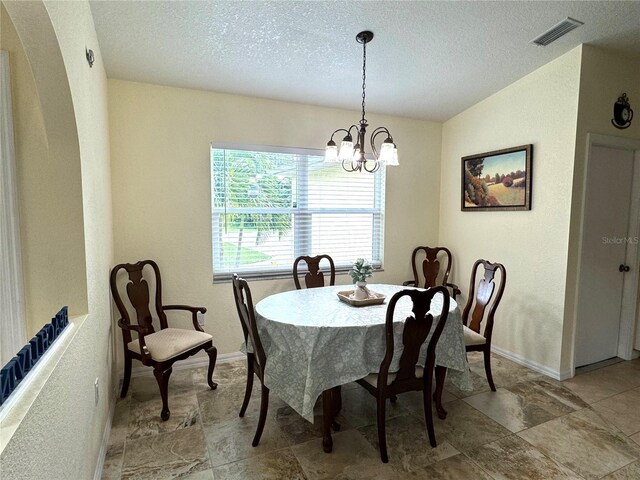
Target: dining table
(314,343)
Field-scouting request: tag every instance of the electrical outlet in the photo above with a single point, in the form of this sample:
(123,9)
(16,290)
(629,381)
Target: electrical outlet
(96,386)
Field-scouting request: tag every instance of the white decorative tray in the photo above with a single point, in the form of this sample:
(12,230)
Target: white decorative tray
(375,299)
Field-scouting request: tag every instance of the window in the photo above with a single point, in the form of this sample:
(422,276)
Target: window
(273,204)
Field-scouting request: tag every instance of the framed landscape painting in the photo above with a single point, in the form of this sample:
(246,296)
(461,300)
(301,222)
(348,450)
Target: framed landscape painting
(499,180)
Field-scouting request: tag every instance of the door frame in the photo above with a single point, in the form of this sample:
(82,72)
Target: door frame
(628,312)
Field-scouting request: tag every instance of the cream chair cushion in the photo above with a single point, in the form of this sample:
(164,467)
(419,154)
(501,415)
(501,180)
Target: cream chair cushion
(170,342)
(372,378)
(473,338)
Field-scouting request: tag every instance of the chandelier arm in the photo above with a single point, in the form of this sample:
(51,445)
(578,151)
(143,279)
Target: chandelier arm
(376,166)
(339,130)
(351,167)
(374,134)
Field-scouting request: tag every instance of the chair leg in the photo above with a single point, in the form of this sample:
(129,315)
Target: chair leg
(264,406)
(428,413)
(487,368)
(382,436)
(249,387)
(162,377)
(393,398)
(127,376)
(213,354)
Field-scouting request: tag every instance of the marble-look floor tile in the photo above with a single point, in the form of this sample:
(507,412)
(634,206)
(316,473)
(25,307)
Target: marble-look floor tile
(276,465)
(119,423)
(550,395)
(505,372)
(112,467)
(167,455)
(359,408)
(144,417)
(623,410)
(511,458)
(414,401)
(465,427)
(635,438)
(479,385)
(510,410)
(584,442)
(352,458)
(232,441)
(203,475)
(299,430)
(408,445)
(457,467)
(630,472)
(224,373)
(146,388)
(222,405)
(605,382)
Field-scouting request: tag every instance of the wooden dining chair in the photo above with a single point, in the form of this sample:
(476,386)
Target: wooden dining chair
(314,277)
(158,349)
(429,269)
(410,376)
(256,358)
(480,298)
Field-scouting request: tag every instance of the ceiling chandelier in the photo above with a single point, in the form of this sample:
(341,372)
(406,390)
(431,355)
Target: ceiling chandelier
(353,157)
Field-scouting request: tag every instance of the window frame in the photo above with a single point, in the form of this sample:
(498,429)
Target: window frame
(299,238)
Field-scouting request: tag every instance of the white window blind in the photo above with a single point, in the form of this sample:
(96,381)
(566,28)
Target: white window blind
(271,205)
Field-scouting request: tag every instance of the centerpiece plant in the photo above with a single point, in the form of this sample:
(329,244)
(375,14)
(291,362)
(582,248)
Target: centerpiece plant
(361,270)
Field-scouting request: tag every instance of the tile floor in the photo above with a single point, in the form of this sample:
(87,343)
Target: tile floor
(533,427)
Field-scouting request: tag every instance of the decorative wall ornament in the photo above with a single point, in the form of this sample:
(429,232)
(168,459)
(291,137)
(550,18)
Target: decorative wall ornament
(622,113)
(90,56)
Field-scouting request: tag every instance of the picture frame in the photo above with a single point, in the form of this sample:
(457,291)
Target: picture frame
(497,180)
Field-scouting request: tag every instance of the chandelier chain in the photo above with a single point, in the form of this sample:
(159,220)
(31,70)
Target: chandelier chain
(364,77)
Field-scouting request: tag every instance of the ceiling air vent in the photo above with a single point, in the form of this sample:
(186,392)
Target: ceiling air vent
(556,32)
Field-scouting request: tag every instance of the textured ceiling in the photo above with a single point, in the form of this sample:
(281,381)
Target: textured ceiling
(428,60)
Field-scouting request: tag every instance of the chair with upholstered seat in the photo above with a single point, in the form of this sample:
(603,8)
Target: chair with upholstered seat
(409,376)
(157,349)
(481,297)
(429,269)
(256,358)
(314,277)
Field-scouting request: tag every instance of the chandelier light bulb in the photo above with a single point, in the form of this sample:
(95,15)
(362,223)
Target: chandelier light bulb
(346,150)
(331,152)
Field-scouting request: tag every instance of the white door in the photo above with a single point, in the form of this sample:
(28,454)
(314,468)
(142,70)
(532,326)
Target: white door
(604,244)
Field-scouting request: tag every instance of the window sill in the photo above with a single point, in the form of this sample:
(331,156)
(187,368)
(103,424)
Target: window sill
(276,275)
(16,407)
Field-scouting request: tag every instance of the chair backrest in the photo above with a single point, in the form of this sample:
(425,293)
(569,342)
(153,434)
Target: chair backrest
(138,294)
(480,296)
(314,277)
(246,313)
(429,268)
(415,332)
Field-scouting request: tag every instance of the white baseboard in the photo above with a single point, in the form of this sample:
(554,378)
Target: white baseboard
(555,374)
(102,454)
(193,362)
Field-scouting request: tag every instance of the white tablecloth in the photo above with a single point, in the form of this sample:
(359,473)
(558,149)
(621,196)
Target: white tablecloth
(314,342)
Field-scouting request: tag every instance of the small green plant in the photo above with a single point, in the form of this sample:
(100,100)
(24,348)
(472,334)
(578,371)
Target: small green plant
(361,270)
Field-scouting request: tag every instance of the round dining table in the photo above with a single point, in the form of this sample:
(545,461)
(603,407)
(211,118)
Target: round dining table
(314,342)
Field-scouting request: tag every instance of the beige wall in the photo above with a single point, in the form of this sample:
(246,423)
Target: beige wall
(49,195)
(541,109)
(160,139)
(61,433)
(604,77)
